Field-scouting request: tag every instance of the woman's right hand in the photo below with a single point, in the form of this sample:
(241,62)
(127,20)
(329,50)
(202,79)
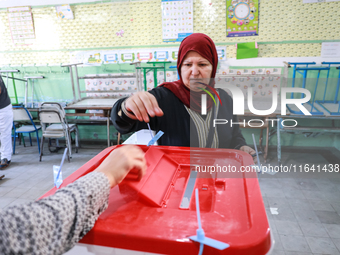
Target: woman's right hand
(143,104)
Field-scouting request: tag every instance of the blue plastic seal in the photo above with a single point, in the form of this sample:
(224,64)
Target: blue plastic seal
(156,137)
(57,174)
(200,236)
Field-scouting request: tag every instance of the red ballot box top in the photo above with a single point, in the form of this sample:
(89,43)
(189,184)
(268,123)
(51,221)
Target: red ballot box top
(158,214)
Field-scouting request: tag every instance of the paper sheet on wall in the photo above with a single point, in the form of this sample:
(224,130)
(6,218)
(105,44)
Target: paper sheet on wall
(161,54)
(130,55)
(111,57)
(319,1)
(64,11)
(330,50)
(222,52)
(93,58)
(261,80)
(21,25)
(144,55)
(173,54)
(246,50)
(127,56)
(313,1)
(76,57)
(177,20)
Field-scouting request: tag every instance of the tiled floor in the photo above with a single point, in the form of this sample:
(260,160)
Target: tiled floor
(26,179)
(308,204)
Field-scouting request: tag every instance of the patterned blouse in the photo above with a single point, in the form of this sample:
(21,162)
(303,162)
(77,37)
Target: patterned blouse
(54,224)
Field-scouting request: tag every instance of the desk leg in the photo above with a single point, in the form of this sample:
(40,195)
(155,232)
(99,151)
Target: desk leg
(261,139)
(164,73)
(32,84)
(278,143)
(267,144)
(145,81)
(26,92)
(108,114)
(108,131)
(118,139)
(155,78)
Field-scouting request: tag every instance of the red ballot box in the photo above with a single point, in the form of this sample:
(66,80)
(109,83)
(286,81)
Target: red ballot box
(158,213)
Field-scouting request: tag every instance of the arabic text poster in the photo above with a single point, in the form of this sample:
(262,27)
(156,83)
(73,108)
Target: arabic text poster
(111,57)
(161,55)
(144,55)
(242,18)
(127,56)
(177,20)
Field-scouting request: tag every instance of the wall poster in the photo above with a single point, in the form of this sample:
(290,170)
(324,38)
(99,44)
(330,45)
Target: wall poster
(21,25)
(242,18)
(177,20)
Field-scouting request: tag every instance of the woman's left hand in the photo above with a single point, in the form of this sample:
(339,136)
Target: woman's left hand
(250,151)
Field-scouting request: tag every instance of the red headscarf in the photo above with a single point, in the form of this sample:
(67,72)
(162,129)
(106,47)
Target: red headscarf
(203,45)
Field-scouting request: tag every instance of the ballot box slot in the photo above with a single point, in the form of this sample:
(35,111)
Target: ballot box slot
(188,192)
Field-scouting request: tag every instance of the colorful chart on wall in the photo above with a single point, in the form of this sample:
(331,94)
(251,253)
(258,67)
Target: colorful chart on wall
(242,18)
(21,24)
(177,20)
(64,11)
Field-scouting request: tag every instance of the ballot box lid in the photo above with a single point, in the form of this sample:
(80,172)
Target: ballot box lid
(151,215)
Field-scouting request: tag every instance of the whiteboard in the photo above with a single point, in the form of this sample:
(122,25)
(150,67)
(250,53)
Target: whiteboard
(12,3)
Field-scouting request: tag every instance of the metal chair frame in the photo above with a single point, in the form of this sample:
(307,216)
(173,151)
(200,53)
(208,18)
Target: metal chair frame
(28,129)
(51,115)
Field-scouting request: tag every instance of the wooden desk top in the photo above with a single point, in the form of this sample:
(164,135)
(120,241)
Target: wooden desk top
(93,104)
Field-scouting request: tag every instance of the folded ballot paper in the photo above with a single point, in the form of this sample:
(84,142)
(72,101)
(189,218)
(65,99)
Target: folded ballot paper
(246,50)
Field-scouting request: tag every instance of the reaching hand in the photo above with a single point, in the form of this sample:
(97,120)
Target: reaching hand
(250,151)
(120,161)
(143,104)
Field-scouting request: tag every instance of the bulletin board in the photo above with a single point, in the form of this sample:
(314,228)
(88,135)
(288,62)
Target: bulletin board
(287,29)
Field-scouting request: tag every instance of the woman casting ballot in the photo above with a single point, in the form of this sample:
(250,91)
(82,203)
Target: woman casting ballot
(175,107)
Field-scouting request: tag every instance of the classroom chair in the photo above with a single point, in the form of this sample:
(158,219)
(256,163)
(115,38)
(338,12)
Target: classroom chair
(54,125)
(22,116)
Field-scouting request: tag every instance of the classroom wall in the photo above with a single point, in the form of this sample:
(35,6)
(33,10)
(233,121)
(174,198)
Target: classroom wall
(288,31)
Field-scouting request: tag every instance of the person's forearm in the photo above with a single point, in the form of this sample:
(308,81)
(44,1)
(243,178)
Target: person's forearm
(54,224)
(122,121)
(238,141)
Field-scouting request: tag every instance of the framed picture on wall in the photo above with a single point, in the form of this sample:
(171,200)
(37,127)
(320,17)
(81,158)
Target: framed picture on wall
(242,18)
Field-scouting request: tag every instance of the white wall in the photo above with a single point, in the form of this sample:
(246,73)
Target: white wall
(12,3)
(275,61)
